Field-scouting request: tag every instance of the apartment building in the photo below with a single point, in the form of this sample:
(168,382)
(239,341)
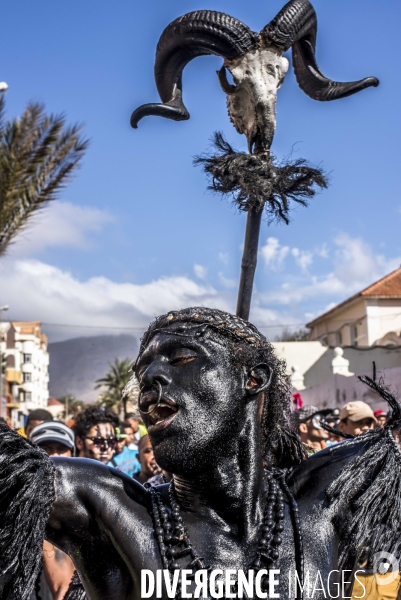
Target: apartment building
(26,378)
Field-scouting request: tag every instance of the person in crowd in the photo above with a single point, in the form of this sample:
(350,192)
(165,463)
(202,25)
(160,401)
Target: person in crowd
(138,430)
(56,439)
(125,459)
(95,433)
(356,417)
(35,418)
(128,432)
(332,419)
(149,466)
(306,422)
(381,417)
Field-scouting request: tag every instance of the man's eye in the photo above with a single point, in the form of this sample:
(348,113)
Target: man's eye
(182,360)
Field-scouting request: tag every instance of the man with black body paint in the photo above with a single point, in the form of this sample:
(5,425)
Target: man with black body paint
(222,415)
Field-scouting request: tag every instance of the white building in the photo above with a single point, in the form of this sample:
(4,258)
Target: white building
(370,318)
(27,368)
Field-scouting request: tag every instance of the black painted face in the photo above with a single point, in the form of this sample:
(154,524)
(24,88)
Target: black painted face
(203,399)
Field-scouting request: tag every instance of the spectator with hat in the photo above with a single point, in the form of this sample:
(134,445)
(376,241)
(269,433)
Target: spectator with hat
(306,421)
(356,417)
(56,439)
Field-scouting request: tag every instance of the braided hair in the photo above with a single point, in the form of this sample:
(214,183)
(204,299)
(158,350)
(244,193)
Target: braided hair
(282,446)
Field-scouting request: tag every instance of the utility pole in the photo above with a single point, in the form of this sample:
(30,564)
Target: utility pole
(5,307)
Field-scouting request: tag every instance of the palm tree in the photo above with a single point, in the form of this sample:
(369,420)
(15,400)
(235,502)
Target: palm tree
(114,382)
(38,154)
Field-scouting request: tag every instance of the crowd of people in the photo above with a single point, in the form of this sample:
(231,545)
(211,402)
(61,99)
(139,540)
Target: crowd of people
(98,434)
(321,428)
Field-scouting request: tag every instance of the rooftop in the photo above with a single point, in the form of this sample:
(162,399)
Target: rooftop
(388,286)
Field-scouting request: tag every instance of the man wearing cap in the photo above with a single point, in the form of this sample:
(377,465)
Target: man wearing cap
(56,439)
(356,417)
(307,424)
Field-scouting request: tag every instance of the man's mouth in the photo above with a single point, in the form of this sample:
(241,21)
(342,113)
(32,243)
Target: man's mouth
(160,415)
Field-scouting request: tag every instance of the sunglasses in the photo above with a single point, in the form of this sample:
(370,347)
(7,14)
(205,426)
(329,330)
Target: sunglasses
(316,421)
(100,441)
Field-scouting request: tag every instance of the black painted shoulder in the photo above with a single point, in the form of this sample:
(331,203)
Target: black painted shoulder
(81,483)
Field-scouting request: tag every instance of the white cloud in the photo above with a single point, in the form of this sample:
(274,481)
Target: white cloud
(228,283)
(59,224)
(39,291)
(303,258)
(224,257)
(69,307)
(274,254)
(200,271)
(354,266)
(322,251)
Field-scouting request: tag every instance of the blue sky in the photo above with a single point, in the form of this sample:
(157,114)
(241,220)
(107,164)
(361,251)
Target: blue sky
(136,233)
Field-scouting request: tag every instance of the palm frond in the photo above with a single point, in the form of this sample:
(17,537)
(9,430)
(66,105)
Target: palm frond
(114,382)
(38,155)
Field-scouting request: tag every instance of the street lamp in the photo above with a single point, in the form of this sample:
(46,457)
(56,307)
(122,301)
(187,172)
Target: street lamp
(2,308)
(3,86)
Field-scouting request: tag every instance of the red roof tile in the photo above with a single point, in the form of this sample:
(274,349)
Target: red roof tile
(54,402)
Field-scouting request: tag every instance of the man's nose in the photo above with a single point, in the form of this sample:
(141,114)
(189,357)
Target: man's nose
(157,371)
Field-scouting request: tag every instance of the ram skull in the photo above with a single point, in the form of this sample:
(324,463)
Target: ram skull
(255,61)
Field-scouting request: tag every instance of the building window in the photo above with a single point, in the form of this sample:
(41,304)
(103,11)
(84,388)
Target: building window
(27,377)
(27,396)
(27,358)
(355,335)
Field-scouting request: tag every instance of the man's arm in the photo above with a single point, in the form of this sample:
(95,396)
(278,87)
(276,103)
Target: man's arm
(86,493)
(72,500)
(100,518)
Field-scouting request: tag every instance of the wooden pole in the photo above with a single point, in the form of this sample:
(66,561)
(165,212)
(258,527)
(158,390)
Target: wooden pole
(249,260)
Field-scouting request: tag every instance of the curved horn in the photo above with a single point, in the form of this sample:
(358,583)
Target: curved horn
(296,26)
(226,86)
(194,34)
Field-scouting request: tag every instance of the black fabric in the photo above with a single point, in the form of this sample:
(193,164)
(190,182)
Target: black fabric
(26,496)
(76,590)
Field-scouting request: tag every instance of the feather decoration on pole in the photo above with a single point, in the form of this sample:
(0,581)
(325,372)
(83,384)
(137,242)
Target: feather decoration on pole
(258,68)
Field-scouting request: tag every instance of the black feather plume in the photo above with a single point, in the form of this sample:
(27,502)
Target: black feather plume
(26,496)
(365,498)
(256,181)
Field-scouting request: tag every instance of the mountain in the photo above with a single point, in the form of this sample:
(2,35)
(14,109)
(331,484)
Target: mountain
(76,364)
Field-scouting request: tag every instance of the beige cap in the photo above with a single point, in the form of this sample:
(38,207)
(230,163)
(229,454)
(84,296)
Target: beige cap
(356,411)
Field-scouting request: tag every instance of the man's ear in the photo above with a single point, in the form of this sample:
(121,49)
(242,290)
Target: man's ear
(258,378)
(303,428)
(79,443)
